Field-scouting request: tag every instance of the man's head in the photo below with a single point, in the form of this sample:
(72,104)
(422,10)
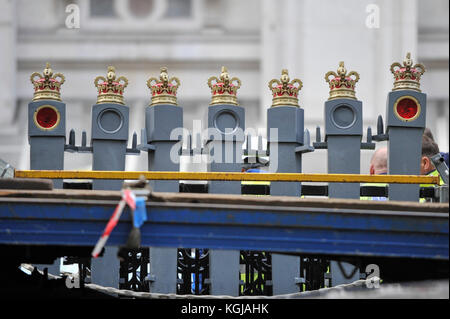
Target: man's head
(427,132)
(378,163)
(429,148)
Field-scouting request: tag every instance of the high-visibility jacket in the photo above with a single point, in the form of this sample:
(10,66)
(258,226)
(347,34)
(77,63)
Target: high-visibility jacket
(441,182)
(433,173)
(379,198)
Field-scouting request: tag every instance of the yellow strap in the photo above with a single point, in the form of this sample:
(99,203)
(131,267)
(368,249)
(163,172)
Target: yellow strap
(434,173)
(229,176)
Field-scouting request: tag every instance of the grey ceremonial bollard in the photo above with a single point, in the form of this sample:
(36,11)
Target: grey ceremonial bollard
(109,135)
(47,131)
(47,123)
(343,133)
(163,125)
(110,120)
(226,125)
(285,127)
(109,142)
(406,120)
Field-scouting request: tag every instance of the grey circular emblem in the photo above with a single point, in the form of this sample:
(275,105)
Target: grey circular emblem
(110,121)
(343,116)
(226,121)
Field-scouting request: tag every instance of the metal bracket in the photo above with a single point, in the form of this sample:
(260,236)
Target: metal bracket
(144,146)
(71,148)
(150,278)
(380,131)
(318,144)
(368,145)
(306,147)
(134,150)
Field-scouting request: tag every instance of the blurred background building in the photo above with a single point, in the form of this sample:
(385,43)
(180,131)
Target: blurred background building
(255,39)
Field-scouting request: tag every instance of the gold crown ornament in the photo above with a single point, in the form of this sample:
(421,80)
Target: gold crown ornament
(284,91)
(223,89)
(110,89)
(164,91)
(342,84)
(48,85)
(407,76)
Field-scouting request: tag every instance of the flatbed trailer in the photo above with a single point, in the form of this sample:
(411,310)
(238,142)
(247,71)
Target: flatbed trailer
(332,227)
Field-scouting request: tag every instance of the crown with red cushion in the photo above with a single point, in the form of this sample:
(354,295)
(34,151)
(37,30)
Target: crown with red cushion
(284,91)
(407,76)
(48,85)
(342,84)
(164,90)
(224,89)
(110,89)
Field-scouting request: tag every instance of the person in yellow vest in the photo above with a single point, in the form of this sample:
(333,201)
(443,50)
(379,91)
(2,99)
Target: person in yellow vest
(378,166)
(429,149)
(428,133)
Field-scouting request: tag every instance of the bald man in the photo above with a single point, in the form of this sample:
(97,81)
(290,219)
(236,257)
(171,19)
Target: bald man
(378,163)
(378,166)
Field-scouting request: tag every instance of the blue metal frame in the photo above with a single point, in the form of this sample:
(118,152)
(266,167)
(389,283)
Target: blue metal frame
(307,230)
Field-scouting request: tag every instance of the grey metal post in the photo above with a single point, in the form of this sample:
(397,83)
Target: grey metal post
(285,125)
(406,118)
(47,123)
(160,121)
(404,153)
(110,121)
(109,142)
(343,133)
(47,145)
(226,125)
(344,162)
(47,130)
(289,123)
(163,124)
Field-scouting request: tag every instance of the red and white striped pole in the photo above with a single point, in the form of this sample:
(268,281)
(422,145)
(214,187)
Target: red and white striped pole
(127,198)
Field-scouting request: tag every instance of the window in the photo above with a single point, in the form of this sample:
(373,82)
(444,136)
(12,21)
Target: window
(140,8)
(178,8)
(102,8)
(141,15)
